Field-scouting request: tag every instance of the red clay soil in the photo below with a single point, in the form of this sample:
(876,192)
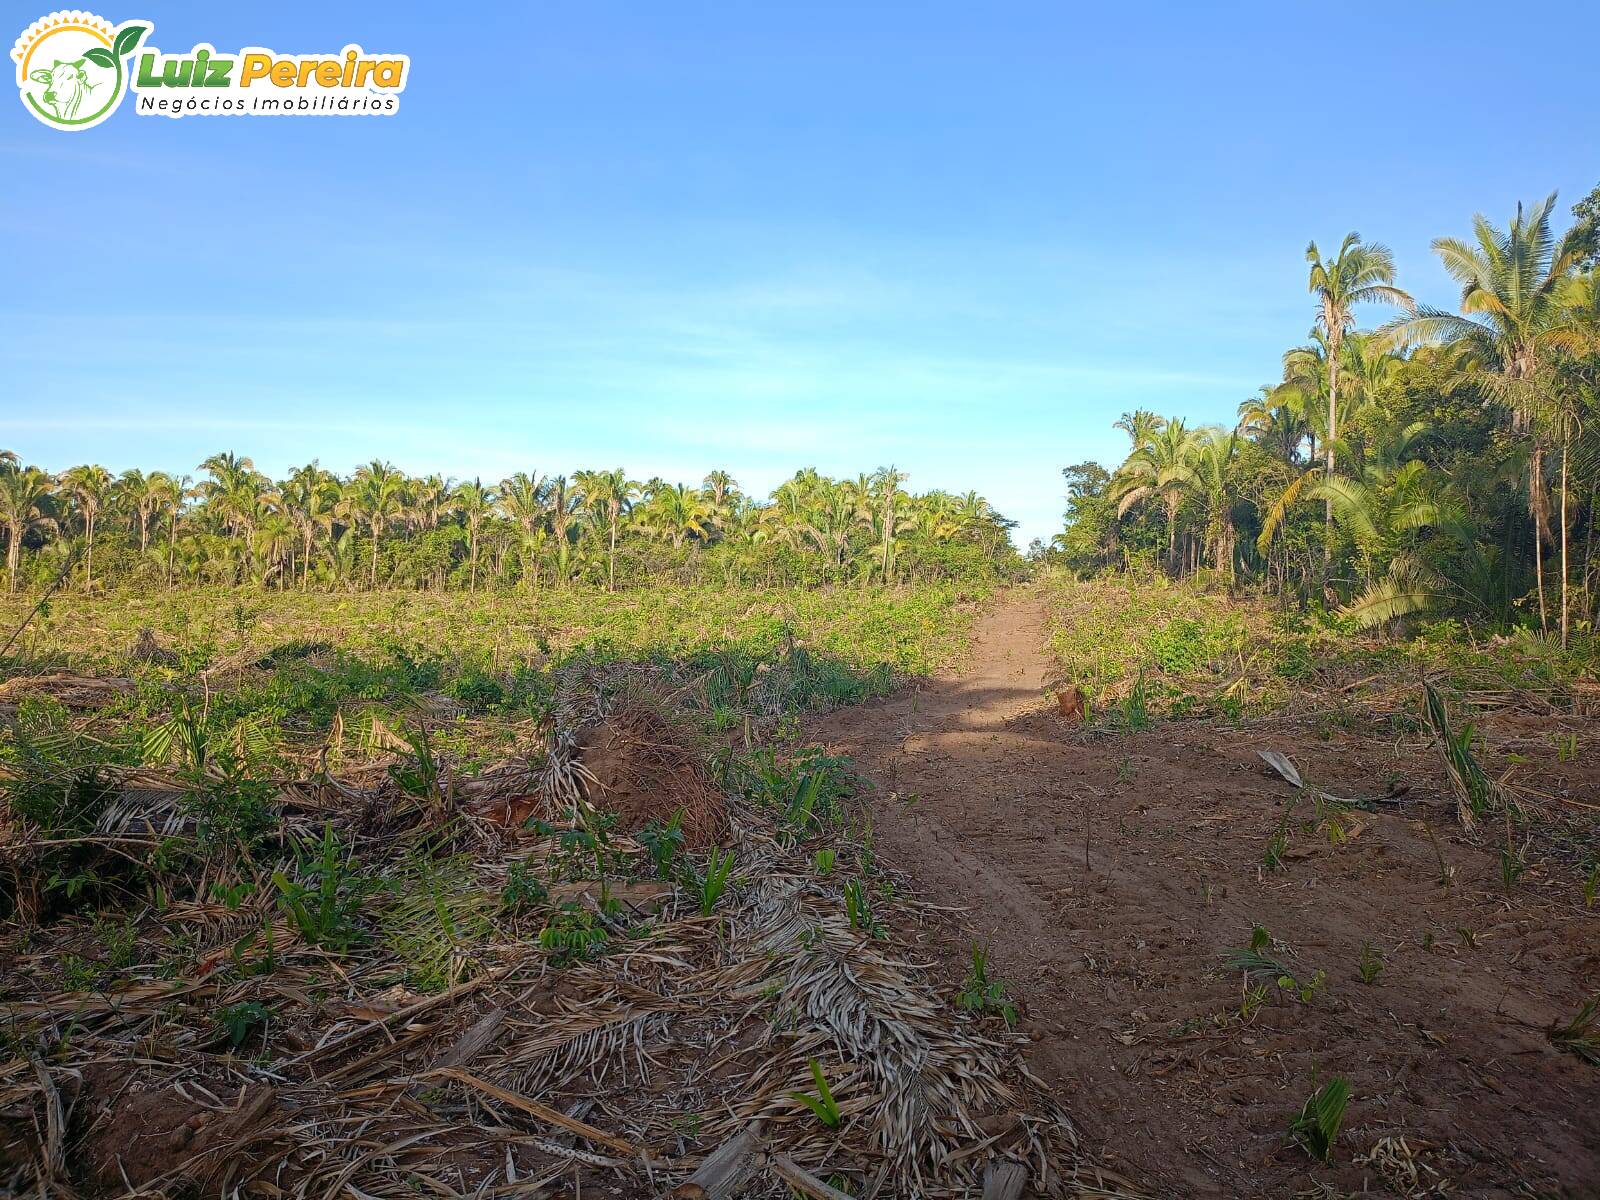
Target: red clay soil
(1111,874)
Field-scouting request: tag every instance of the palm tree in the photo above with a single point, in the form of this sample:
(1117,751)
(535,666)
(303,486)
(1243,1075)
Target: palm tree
(1390,513)
(432,495)
(24,506)
(1207,469)
(1140,425)
(87,486)
(722,493)
(310,498)
(233,492)
(1512,319)
(1360,274)
(375,494)
(829,518)
(133,489)
(608,494)
(935,516)
(274,541)
(1157,471)
(522,499)
(1276,417)
(473,502)
(169,492)
(677,511)
(1305,384)
(563,501)
(888,498)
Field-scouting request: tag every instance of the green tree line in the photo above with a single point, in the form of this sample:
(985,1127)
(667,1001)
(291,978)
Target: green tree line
(379,527)
(1441,461)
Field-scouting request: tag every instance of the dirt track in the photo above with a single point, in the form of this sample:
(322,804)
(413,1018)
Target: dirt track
(1111,873)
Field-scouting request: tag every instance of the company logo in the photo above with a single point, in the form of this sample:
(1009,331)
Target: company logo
(73,69)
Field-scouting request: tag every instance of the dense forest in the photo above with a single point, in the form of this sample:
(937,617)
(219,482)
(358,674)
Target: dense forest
(1439,462)
(382,528)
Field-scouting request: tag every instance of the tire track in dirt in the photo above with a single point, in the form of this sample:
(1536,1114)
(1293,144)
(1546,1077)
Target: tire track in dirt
(985,798)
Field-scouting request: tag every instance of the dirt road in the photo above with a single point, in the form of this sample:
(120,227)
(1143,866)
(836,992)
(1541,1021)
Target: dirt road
(1111,873)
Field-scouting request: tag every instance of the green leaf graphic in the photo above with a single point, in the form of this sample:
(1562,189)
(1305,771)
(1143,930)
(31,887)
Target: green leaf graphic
(128,38)
(100,57)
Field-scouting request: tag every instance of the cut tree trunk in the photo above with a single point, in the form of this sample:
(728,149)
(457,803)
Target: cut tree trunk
(1004,1180)
(802,1181)
(730,1166)
(1564,442)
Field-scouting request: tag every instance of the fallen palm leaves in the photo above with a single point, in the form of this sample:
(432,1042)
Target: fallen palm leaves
(445,1050)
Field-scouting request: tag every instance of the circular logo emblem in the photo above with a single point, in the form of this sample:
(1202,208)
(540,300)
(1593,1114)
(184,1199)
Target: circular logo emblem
(71,67)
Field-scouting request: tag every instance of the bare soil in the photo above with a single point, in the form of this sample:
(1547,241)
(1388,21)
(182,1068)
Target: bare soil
(1112,873)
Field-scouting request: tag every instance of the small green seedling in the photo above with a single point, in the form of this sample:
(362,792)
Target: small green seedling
(1317,1126)
(859,909)
(1136,705)
(981,994)
(711,885)
(242,1021)
(1581,1035)
(823,861)
(1512,865)
(1370,965)
(522,889)
(663,842)
(822,1104)
(572,935)
(1254,998)
(1255,960)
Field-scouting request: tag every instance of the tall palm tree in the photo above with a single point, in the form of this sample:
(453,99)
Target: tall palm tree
(432,495)
(274,542)
(169,492)
(1156,471)
(609,494)
(522,499)
(1208,470)
(87,487)
(1511,321)
(1275,418)
(375,494)
(722,492)
(1361,273)
(24,507)
(473,502)
(678,511)
(888,498)
(564,501)
(133,490)
(1140,425)
(310,498)
(233,492)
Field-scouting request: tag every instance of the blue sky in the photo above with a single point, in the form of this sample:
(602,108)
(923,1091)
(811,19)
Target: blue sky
(957,237)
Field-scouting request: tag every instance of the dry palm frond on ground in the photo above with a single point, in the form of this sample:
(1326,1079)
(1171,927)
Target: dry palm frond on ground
(500,984)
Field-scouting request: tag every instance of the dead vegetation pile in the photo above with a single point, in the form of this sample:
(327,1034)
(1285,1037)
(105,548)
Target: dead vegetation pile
(483,986)
(641,767)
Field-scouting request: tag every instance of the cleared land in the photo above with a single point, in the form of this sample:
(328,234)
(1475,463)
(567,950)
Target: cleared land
(560,892)
(1114,867)
(323,897)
